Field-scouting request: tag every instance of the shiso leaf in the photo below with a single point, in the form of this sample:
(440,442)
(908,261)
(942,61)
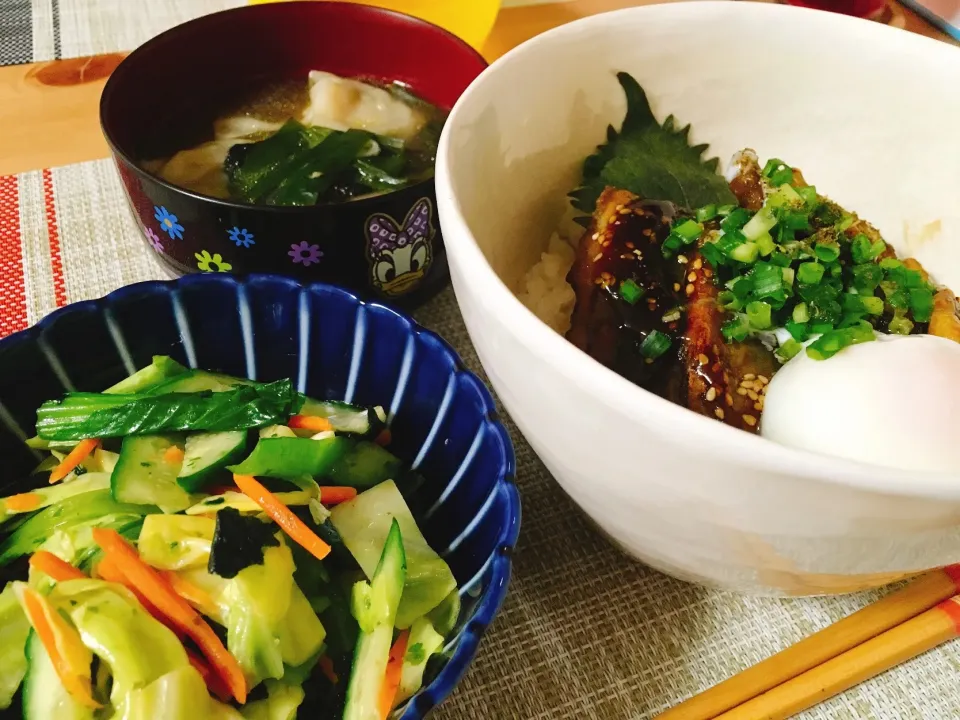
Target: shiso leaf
(651,160)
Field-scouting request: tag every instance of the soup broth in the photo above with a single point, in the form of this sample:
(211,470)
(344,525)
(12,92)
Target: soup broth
(329,139)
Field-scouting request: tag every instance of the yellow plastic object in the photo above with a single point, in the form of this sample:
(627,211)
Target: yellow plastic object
(471,20)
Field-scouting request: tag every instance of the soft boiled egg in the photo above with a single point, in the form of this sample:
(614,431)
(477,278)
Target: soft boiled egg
(892,402)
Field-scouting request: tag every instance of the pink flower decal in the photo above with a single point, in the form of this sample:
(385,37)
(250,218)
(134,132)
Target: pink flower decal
(305,254)
(154,240)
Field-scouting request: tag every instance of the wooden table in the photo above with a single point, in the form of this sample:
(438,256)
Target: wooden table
(49,111)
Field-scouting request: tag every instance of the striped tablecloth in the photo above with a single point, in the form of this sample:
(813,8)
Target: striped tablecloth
(585,632)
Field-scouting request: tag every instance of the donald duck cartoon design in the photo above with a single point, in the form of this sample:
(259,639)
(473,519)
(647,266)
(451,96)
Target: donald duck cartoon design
(400,255)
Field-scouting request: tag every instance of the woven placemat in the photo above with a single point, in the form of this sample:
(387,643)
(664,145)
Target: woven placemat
(585,632)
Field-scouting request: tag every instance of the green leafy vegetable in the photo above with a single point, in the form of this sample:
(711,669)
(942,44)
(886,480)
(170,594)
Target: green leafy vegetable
(651,160)
(96,415)
(239,542)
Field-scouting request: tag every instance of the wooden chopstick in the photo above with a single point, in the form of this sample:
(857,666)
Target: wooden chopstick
(891,611)
(897,645)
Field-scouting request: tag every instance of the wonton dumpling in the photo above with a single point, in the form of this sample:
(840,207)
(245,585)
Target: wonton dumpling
(243,126)
(341,104)
(200,169)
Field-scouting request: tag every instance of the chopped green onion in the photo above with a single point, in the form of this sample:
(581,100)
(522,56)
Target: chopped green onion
(781,259)
(759,223)
(810,273)
(900,325)
(735,220)
(809,195)
(743,286)
(777,172)
(707,212)
(737,329)
(890,263)
(921,304)
(765,244)
(846,222)
(745,252)
(730,240)
(827,251)
(689,231)
(712,254)
(800,313)
(789,350)
(671,315)
(759,315)
(836,270)
(729,301)
(724,210)
(671,245)
(797,330)
(867,277)
(819,328)
(862,250)
(655,344)
(785,196)
(767,280)
(872,304)
(630,291)
(788,275)
(793,220)
(832,342)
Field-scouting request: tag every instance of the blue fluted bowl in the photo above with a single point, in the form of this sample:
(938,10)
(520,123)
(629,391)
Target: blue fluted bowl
(333,346)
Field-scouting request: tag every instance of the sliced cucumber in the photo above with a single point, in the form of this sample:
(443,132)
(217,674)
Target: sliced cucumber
(206,453)
(366,464)
(293,458)
(14,629)
(145,474)
(445,615)
(347,418)
(373,648)
(156,373)
(44,697)
(423,642)
(199,381)
(363,524)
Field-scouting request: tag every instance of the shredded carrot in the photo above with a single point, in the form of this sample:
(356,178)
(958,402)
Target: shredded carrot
(282,516)
(391,680)
(177,610)
(336,494)
(314,423)
(210,678)
(50,564)
(108,570)
(24,502)
(196,596)
(384,438)
(72,678)
(71,461)
(326,667)
(173,455)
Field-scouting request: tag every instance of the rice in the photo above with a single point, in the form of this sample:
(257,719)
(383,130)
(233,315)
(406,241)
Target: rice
(545,290)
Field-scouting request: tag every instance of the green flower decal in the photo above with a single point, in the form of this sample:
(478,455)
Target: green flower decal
(212,263)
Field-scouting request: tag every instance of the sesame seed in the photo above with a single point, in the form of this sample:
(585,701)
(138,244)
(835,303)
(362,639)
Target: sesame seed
(597,256)
(618,208)
(729,398)
(638,253)
(676,287)
(648,361)
(691,277)
(629,244)
(682,259)
(752,395)
(708,272)
(711,394)
(719,413)
(763,379)
(626,256)
(690,289)
(595,236)
(606,243)
(750,420)
(625,211)
(741,391)
(697,264)
(703,359)
(758,406)
(749,376)
(648,232)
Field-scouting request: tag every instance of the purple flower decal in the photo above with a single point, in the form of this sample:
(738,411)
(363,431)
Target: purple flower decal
(305,253)
(154,240)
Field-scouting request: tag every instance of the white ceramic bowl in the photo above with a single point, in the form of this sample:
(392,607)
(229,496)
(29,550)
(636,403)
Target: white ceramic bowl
(870,114)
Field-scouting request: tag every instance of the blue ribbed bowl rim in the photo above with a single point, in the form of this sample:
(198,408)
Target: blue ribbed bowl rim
(468,640)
